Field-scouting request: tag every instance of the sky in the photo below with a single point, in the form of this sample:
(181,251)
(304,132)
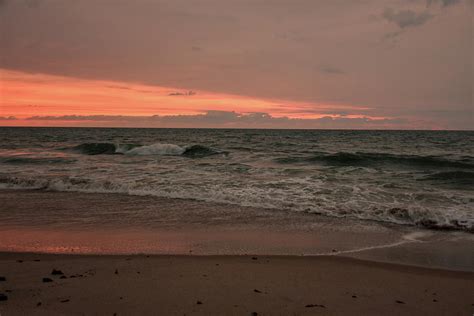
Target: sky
(361,64)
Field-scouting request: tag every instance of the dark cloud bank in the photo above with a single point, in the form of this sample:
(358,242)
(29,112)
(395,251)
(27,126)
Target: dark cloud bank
(220,119)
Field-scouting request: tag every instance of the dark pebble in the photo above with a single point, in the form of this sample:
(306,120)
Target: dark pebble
(37,260)
(435,301)
(45,280)
(116,271)
(257,291)
(63,277)
(38,304)
(354,296)
(199,302)
(3,297)
(19,261)
(254,314)
(254,258)
(400,302)
(315,305)
(56,272)
(65,301)
(2,278)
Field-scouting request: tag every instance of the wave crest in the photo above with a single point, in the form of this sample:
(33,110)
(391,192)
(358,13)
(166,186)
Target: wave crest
(381,212)
(157,149)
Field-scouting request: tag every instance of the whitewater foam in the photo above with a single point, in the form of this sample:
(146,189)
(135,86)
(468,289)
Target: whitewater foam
(156,149)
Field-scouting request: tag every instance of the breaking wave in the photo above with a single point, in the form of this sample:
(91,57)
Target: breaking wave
(158,149)
(413,215)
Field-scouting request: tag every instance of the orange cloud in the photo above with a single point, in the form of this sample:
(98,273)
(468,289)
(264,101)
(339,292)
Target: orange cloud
(23,95)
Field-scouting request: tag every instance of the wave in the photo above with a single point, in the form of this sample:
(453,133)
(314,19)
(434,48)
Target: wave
(30,160)
(198,151)
(96,149)
(369,159)
(413,215)
(452,177)
(158,149)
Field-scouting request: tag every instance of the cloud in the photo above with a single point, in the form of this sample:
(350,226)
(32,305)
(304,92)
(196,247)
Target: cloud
(331,70)
(406,18)
(8,118)
(227,119)
(444,3)
(187,93)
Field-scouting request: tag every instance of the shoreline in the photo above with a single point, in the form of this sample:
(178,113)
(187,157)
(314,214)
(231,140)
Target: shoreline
(49,222)
(403,267)
(231,285)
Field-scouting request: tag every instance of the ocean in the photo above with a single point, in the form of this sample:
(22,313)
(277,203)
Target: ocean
(416,178)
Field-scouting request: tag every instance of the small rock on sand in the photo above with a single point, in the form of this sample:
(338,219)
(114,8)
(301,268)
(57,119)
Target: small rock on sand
(46,280)
(56,272)
(2,278)
(315,305)
(3,297)
(199,302)
(400,302)
(65,301)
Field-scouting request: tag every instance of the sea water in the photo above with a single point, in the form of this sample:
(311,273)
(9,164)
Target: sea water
(417,178)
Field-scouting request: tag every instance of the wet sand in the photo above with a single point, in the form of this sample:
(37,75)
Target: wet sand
(90,223)
(227,285)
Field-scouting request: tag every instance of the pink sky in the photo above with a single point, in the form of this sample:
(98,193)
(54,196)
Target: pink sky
(49,100)
(281,64)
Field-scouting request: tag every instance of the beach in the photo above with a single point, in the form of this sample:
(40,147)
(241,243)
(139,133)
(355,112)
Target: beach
(227,285)
(225,157)
(315,266)
(235,222)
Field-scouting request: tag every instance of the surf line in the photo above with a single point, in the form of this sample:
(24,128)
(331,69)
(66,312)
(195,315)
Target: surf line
(406,239)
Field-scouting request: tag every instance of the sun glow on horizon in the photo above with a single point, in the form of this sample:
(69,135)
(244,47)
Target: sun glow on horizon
(25,95)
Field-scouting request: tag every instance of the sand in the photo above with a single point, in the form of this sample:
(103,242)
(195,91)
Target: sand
(227,285)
